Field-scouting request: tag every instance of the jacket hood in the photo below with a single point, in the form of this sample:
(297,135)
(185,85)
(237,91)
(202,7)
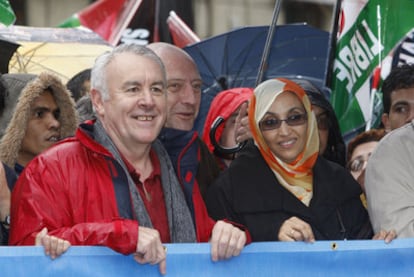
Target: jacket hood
(224,105)
(23,90)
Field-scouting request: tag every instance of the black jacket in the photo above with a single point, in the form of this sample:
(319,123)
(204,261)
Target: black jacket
(249,193)
(11,178)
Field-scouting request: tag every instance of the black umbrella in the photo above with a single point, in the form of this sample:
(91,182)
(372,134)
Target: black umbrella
(7,49)
(233,59)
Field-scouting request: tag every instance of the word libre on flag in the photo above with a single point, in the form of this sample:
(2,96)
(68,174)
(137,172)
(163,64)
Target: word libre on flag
(370,33)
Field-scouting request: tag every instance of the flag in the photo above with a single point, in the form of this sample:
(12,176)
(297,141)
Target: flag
(131,21)
(149,23)
(108,18)
(7,16)
(373,35)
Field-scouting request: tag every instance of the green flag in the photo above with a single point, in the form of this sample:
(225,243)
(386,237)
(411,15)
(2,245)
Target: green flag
(7,16)
(369,33)
(71,22)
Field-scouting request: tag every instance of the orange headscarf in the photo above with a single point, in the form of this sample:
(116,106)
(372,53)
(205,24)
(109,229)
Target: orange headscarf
(295,176)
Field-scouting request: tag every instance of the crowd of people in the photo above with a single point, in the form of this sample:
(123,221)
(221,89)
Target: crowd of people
(112,159)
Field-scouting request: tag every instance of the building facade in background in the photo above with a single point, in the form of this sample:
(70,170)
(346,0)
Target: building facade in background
(211,17)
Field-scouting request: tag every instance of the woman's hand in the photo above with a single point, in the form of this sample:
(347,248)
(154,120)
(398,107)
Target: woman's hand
(295,229)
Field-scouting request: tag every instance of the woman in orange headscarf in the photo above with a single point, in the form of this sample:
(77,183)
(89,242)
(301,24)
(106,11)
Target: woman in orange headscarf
(279,188)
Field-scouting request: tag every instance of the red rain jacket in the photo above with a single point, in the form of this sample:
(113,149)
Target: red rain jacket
(224,104)
(73,196)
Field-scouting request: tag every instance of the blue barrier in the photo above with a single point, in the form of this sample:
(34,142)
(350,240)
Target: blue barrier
(323,258)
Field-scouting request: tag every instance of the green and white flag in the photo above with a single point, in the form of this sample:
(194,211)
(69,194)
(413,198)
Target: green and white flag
(7,16)
(370,33)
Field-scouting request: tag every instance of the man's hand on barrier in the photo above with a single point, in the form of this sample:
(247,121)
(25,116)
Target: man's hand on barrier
(386,236)
(226,241)
(54,246)
(150,249)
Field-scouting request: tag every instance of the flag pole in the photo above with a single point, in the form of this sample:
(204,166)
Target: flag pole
(128,13)
(266,51)
(332,45)
(156,36)
(181,34)
(376,76)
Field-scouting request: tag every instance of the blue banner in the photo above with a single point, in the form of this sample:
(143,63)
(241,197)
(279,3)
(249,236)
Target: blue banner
(325,258)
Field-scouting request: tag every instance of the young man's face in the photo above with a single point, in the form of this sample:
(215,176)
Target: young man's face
(401,109)
(43,128)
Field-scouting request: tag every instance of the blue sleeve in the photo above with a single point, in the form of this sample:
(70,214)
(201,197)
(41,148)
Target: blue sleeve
(11,176)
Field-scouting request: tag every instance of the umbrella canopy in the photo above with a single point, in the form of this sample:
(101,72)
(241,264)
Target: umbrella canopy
(233,59)
(7,50)
(64,51)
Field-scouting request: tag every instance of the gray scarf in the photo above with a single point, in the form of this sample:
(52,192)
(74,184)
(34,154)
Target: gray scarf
(179,217)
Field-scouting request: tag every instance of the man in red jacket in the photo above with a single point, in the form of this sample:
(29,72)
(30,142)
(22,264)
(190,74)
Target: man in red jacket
(113,184)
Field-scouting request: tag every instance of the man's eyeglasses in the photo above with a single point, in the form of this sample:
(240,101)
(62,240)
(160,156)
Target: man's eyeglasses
(357,164)
(271,123)
(323,121)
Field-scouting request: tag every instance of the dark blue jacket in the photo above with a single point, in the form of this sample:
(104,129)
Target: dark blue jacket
(192,161)
(11,178)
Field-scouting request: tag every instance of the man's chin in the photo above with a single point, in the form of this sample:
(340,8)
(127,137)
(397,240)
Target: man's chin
(181,125)
(49,144)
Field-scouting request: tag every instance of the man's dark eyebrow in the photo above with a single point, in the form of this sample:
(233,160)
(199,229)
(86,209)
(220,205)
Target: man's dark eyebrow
(41,109)
(45,109)
(401,102)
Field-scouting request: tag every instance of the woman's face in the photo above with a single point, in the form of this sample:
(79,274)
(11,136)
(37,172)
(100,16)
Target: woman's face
(286,142)
(322,115)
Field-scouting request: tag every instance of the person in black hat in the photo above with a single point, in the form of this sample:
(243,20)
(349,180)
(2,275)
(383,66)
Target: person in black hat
(80,84)
(332,145)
